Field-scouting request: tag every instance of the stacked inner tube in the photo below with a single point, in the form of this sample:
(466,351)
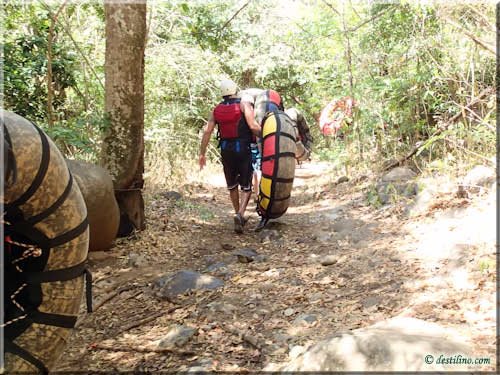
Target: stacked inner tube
(266,101)
(45,248)
(278,164)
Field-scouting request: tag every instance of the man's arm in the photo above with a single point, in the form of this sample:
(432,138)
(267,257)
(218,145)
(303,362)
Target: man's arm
(247,110)
(207,133)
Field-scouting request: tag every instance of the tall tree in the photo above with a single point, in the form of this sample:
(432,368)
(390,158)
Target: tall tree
(123,144)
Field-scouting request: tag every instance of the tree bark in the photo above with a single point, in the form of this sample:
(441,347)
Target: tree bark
(123,143)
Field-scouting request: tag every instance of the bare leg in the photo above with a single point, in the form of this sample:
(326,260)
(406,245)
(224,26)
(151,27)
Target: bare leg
(245,197)
(235,199)
(256,184)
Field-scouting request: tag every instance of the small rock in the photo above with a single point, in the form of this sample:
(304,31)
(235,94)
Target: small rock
(99,256)
(305,319)
(289,312)
(227,246)
(370,301)
(296,282)
(324,237)
(331,216)
(329,260)
(136,260)
(342,179)
(362,178)
(178,335)
(209,326)
(480,176)
(184,281)
(209,259)
(316,297)
(397,182)
(399,174)
(216,267)
(222,307)
(269,235)
(282,337)
(197,370)
(273,272)
(388,191)
(202,366)
(171,195)
(246,255)
(345,225)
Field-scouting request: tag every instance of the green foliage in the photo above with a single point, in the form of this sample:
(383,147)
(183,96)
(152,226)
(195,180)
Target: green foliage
(78,100)
(412,67)
(25,64)
(373,198)
(486,265)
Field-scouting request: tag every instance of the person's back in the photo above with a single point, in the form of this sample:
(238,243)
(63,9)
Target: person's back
(262,100)
(234,133)
(250,94)
(236,124)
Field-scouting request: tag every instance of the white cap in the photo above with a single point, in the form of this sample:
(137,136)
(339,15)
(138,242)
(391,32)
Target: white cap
(228,87)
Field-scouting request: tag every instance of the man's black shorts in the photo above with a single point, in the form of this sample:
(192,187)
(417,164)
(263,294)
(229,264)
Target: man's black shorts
(238,168)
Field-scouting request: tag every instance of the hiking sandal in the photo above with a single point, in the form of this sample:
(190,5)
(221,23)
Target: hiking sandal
(238,223)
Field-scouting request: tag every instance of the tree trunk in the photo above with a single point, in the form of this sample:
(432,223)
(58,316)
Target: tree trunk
(123,144)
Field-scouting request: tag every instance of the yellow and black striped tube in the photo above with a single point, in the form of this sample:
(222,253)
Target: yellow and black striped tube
(278,165)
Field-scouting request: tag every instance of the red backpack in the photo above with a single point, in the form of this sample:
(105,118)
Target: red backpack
(231,122)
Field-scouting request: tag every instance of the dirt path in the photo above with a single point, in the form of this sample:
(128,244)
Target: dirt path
(376,270)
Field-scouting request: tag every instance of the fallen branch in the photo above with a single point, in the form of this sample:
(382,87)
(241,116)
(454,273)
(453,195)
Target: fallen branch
(138,323)
(243,336)
(139,292)
(139,349)
(112,295)
(103,277)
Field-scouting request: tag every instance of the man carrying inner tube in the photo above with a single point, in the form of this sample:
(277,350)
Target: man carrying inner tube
(263,101)
(236,127)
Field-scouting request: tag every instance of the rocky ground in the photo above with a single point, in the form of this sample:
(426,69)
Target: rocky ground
(190,294)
